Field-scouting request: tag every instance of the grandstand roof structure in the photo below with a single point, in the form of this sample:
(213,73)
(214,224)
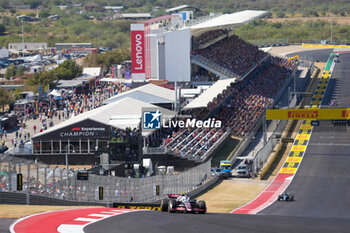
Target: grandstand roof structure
(208,95)
(233,20)
(178,8)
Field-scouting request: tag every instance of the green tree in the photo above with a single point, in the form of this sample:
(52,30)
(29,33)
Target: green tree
(105,60)
(4,4)
(12,11)
(20,71)
(281,14)
(10,71)
(43,79)
(44,13)
(67,70)
(6,98)
(2,29)
(33,3)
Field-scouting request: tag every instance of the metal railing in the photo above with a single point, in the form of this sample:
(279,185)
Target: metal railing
(214,66)
(51,181)
(201,19)
(154,150)
(287,41)
(276,127)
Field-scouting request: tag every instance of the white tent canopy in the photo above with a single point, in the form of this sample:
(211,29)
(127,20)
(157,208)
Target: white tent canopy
(208,95)
(93,71)
(55,93)
(149,90)
(114,80)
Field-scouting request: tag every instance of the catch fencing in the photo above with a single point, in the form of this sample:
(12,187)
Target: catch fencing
(52,181)
(275,128)
(289,41)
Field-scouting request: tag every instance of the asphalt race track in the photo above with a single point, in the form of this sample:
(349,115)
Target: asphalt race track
(318,55)
(5,224)
(156,222)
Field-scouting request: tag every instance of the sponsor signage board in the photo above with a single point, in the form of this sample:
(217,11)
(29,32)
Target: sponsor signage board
(138,60)
(82,130)
(308,114)
(82,176)
(142,206)
(307,94)
(19,182)
(100,193)
(287,140)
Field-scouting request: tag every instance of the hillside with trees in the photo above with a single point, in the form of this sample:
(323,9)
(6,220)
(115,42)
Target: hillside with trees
(304,7)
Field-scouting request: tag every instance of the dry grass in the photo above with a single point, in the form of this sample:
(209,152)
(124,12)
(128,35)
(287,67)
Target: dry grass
(338,20)
(19,211)
(231,194)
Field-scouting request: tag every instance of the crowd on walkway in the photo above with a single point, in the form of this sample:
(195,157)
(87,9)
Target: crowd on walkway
(52,111)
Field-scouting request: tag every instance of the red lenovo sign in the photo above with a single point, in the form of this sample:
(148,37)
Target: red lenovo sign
(138,51)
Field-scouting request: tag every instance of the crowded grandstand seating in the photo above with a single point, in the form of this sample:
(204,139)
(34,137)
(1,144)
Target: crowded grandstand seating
(232,54)
(250,98)
(241,104)
(209,36)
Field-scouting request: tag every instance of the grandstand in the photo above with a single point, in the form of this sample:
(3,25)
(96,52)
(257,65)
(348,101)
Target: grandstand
(243,78)
(239,107)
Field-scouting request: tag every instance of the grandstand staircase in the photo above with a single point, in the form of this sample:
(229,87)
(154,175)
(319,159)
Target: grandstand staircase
(208,65)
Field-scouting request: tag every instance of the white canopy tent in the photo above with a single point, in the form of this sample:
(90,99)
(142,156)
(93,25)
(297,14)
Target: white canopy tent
(149,93)
(208,95)
(55,93)
(114,80)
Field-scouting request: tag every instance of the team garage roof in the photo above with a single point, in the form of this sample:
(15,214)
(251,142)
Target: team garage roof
(120,114)
(229,20)
(149,93)
(208,95)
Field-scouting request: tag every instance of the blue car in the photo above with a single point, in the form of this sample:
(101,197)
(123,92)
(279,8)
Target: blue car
(285,197)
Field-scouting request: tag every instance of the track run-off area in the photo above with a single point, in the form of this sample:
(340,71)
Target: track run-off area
(316,171)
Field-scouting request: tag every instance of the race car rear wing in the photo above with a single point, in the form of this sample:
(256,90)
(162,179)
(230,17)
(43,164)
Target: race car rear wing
(174,195)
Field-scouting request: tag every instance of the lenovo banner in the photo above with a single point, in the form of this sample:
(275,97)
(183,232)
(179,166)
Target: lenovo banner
(138,51)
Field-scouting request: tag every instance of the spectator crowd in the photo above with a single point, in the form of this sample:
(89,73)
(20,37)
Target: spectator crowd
(209,36)
(35,119)
(233,54)
(240,106)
